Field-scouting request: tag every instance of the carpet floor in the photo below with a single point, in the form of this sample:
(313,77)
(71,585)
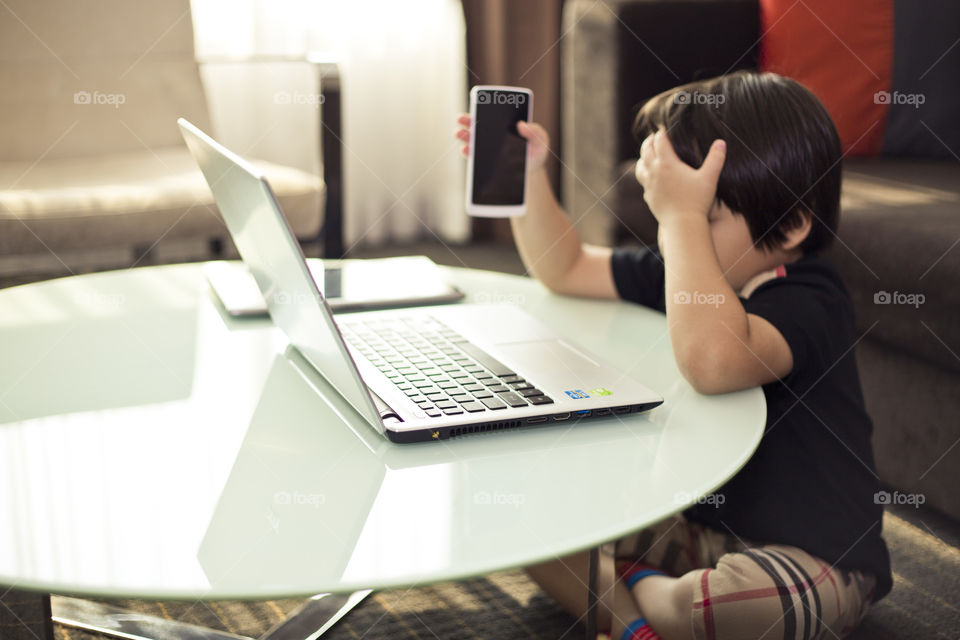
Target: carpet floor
(924,603)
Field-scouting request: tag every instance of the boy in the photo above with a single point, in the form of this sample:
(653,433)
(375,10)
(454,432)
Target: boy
(742,173)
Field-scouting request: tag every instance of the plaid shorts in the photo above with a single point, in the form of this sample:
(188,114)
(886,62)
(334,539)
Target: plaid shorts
(752,591)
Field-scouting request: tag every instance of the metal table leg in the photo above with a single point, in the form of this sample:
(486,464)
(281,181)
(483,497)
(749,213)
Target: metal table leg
(593,565)
(307,622)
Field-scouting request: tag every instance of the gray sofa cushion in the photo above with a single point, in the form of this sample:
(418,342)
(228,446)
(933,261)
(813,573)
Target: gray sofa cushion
(899,235)
(130,199)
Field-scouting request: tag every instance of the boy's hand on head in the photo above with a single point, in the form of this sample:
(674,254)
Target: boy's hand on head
(673,188)
(536,136)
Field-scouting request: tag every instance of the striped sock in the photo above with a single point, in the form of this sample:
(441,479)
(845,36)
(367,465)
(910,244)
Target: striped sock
(633,572)
(639,630)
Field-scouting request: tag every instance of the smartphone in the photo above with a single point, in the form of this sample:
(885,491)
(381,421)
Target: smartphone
(497,164)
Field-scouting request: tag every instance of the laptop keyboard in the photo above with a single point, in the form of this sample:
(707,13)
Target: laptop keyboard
(437,368)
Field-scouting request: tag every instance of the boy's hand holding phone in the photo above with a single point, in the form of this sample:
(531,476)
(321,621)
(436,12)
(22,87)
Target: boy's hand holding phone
(497,154)
(673,188)
(538,141)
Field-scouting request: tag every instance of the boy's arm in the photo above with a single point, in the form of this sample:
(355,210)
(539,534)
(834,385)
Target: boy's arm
(551,249)
(548,243)
(719,347)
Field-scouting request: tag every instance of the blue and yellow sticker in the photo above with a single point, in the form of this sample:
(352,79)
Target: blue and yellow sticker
(580,394)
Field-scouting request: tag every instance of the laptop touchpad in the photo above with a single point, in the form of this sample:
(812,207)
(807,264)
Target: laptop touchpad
(549,355)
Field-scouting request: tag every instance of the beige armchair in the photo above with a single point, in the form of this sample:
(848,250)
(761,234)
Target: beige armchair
(92,166)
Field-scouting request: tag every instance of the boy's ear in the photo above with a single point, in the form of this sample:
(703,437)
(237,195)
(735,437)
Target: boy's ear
(799,232)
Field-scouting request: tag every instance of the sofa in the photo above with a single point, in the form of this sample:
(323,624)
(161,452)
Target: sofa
(93,171)
(897,245)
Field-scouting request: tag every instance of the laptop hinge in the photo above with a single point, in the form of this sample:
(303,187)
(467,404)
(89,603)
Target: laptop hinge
(387,415)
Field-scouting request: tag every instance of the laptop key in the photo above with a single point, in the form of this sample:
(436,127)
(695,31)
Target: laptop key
(446,404)
(519,386)
(482,394)
(433,413)
(497,388)
(473,387)
(492,403)
(462,397)
(495,366)
(472,407)
(512,399)
(511,378)
(540,400)
(453,411)
(532,391)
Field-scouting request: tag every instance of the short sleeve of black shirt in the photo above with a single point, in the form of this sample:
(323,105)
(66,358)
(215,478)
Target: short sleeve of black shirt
(638,276)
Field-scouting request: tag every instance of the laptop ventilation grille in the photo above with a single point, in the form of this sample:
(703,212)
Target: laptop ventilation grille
(484,428)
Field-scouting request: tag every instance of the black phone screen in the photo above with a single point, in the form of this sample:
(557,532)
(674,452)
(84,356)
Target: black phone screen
(500,153)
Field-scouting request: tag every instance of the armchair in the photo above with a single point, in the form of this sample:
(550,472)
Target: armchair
(93,172)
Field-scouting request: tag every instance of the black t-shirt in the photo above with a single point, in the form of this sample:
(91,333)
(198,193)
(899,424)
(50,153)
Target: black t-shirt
(812,480)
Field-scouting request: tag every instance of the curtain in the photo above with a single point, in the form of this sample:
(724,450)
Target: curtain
(518,43)
(403,77)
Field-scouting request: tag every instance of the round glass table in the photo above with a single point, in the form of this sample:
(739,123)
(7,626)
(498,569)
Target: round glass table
(151,446)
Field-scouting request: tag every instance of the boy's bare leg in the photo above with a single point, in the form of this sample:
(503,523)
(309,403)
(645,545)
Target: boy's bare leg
(565,580)
(666,604)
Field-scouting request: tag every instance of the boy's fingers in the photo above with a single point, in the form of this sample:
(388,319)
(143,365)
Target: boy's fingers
(463,134)
(662,144)
(647,151)
(533,132)
(464,119)
(465,150)
(713,163)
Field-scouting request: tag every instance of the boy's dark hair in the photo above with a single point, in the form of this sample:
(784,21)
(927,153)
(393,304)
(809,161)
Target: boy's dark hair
(783,151)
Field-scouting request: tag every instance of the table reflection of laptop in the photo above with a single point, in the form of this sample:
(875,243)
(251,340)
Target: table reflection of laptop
(415,374)
(311,476)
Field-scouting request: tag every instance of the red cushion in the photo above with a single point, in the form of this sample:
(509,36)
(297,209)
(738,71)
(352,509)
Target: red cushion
(842,50)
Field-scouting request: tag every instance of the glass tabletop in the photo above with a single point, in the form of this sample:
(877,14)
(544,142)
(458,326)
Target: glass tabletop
(151,446)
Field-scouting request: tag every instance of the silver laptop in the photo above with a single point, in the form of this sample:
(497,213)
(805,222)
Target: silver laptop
(413,374)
